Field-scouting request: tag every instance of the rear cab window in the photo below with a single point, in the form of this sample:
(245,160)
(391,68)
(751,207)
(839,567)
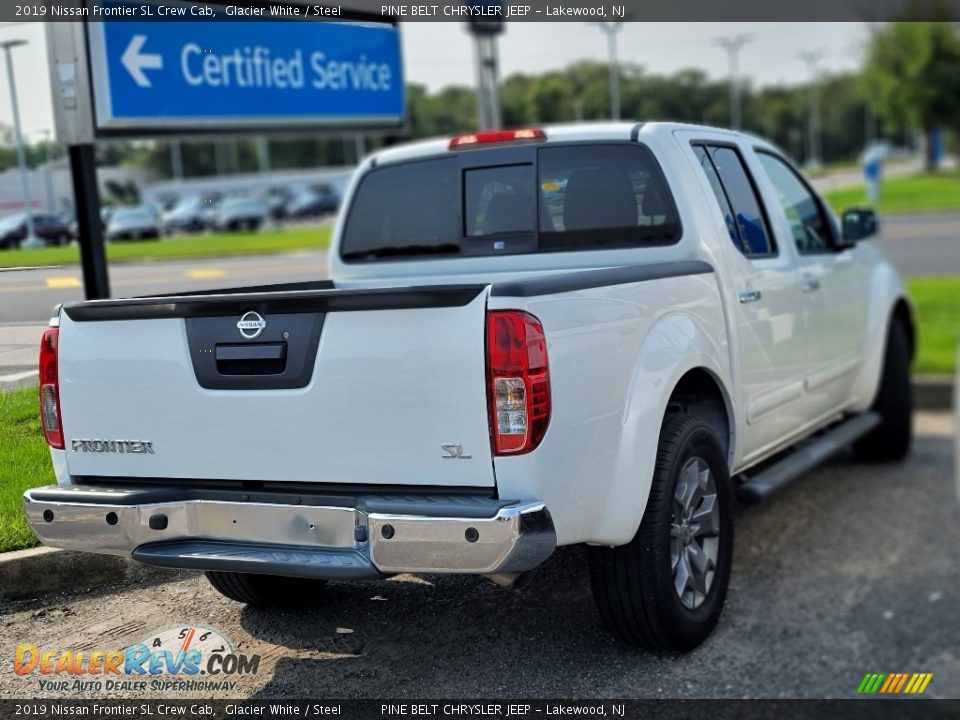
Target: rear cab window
(552,198)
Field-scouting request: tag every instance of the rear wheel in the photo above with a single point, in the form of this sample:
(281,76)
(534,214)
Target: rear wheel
(265,590)
(664,590)
(891,439)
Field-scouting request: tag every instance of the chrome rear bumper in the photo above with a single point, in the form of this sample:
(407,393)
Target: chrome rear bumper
(286,534)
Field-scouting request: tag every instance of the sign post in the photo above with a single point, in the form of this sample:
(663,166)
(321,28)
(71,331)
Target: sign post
(153,78)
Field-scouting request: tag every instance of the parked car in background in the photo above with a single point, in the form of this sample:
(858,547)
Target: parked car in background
(139,222)
(313,202)
(240,213)
(186,216)
(209,209)
(49,228)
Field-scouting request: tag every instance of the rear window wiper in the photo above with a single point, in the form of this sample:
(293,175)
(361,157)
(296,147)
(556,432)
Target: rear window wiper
(398,250)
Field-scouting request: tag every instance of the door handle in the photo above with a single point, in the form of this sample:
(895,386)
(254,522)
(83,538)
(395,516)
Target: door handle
(749,296)
(810,285)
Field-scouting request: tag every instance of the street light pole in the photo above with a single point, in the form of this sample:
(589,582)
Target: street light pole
(488,83)
(732,45)
(812,58)
(48,180)
(31,241)
(611,29)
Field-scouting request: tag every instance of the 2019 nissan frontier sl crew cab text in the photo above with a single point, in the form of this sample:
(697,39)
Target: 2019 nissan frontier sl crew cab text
(593,334)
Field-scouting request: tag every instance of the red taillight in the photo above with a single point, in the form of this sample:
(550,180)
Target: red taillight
(50,389)
(495,136)
(518,381)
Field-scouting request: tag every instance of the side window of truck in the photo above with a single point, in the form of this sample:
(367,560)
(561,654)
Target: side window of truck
(808,222)
(603,196)
(738,198)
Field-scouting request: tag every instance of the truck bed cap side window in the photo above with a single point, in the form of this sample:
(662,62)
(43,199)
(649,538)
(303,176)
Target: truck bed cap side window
(738,198)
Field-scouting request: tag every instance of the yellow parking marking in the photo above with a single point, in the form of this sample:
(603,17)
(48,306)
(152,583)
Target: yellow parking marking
(63,282)
(205,273)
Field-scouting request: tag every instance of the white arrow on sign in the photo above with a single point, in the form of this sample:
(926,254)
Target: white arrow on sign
(136,62)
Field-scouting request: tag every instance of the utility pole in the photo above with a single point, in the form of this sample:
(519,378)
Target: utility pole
(812,58)
(610,29)
(732,45)
(31,241)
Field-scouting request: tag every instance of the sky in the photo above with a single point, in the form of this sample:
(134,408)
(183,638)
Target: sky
(438,54)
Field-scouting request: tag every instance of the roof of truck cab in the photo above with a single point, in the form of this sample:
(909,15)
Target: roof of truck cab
(555,133)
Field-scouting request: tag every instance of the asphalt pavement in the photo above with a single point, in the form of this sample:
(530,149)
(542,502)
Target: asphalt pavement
(852,570)
(920,245)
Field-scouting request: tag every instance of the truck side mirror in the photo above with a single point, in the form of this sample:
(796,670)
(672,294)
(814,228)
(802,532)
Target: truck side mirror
(859,224)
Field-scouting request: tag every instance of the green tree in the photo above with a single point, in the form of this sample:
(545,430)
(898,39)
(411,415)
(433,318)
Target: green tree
(912,75)
(551,99)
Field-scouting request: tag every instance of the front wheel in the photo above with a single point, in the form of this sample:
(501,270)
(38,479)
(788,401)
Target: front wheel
(664,590)
(265,590)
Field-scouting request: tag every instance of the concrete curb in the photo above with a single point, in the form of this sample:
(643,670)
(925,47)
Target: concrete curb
(933,392)
(42,571)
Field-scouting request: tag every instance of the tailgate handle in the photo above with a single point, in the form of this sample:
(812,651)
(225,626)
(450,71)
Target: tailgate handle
(258,351)
(252,359)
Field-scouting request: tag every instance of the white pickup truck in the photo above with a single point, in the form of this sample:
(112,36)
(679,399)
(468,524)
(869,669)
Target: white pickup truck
(594,334)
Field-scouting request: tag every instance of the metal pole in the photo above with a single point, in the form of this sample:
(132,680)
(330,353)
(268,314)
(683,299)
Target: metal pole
(493,77)
(732,45)
(31,241)
(93,254)
(360,147)
(263,154)
(611,29)
(614,76)
(176,160)
(488,102)
(48,172)
(811,58)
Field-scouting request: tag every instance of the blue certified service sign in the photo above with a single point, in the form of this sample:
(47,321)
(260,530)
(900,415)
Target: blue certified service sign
(250,74)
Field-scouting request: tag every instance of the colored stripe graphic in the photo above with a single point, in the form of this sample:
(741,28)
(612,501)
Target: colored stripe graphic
(894,683)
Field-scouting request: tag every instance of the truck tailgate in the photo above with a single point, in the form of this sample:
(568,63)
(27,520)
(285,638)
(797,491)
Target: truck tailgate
(344,387)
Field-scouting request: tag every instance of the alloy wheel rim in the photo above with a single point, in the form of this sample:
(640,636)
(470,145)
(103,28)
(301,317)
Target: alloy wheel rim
(694,533)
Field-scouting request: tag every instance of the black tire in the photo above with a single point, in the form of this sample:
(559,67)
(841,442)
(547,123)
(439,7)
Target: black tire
(633,584)
(891,439)
(265,590)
